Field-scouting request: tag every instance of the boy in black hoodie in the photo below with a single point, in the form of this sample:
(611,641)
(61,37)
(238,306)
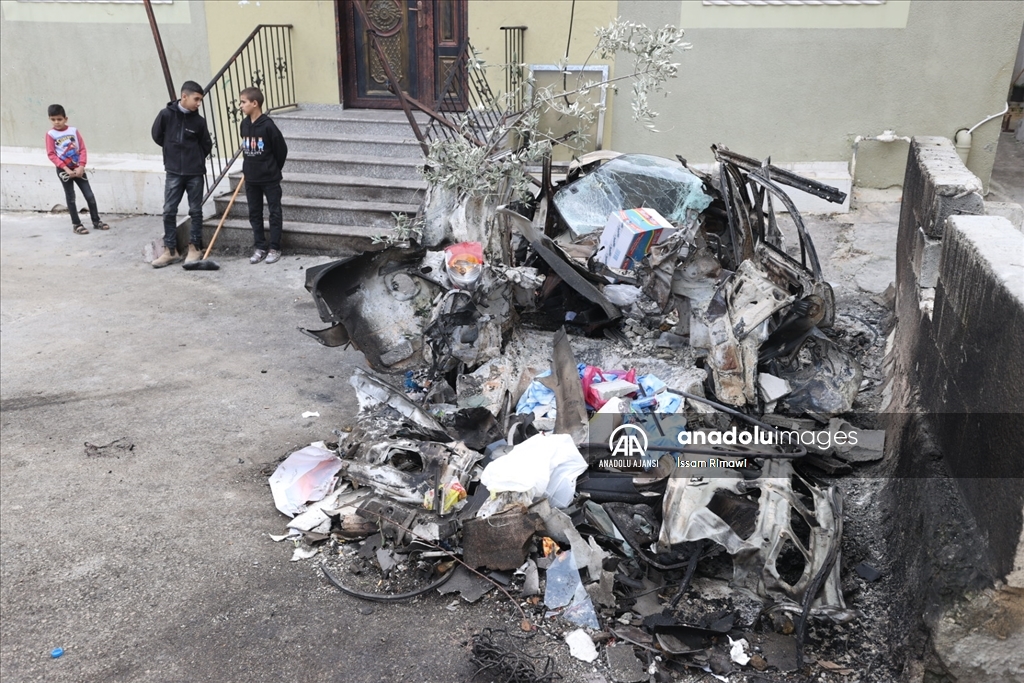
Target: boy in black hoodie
(265,152)
(183,134)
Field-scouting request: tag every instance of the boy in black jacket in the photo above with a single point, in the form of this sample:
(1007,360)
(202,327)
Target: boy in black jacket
(265,152)
(183,134)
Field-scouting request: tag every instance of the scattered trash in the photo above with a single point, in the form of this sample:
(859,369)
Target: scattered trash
(501,541)
(117,447)
(582,416)
(623,664)
(305,475)
(310,413)
(867,572)
(503,657)
(628,236)
(564,589)
(56,652)
(581,646)
(470,586)
(836,668)
(541,466)
(738,651)
(303,553)
(464,264)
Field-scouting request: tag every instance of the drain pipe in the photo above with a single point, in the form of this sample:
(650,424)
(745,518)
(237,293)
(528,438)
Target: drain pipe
(886,136)
(962,139)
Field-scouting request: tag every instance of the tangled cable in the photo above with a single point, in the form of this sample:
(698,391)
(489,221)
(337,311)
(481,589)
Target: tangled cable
(507,661)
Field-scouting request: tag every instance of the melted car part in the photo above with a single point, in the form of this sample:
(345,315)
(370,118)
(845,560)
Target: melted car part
(379,301)
(791,550)
(825,379)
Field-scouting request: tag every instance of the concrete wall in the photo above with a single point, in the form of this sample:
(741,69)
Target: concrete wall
(314,40)
(545,38)
(959,338)
(955,501)
(122,183)
(100,62)
(800,83)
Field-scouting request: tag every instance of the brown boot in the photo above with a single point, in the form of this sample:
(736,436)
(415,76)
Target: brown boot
(193,254)
(167,258)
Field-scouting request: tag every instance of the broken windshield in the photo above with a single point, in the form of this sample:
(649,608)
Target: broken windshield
(628,182)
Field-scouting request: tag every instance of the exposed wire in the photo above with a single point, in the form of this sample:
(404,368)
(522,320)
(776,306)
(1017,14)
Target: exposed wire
(385,597)
(503,659)
(989,118)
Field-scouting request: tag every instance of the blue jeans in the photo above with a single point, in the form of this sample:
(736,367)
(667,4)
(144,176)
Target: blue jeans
(175,187)
(69,195)
(254,198)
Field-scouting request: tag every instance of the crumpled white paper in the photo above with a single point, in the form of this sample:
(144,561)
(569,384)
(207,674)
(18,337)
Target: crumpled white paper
(305,475)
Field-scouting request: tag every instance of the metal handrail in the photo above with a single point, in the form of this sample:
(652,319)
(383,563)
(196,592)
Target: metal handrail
(515,77)
(263,60)
(466,107)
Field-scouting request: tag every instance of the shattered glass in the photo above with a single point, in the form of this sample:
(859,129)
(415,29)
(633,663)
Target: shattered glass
(564,588)
(628,182)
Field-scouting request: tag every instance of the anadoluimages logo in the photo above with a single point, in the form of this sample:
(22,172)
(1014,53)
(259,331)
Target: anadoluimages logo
(628,441)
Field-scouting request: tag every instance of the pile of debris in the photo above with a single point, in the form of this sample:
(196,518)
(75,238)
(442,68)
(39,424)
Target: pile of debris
(584,481)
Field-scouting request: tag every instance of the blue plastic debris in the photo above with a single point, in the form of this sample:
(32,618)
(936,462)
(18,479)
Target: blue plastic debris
(56,652)
(410,383)
(670,403)
(537,399)
(646,403)
(650,384)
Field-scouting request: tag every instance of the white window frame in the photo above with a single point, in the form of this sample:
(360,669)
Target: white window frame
(784,3)
(96,2)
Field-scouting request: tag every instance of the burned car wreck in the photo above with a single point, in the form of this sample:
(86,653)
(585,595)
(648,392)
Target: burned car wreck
(539,365)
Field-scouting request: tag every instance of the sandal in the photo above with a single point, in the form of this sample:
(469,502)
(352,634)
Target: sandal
(80,229)
(100,225)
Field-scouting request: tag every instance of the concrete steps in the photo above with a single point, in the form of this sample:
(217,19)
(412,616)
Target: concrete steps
(330,211)
(354,165)
(370,122)
(348,173)
(321,143)
(302,238)
(396,191)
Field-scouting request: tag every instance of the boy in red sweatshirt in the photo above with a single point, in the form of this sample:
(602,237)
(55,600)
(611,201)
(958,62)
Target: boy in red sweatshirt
(66,149)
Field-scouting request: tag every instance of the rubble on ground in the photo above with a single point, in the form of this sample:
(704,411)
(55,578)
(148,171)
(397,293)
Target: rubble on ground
(595,405)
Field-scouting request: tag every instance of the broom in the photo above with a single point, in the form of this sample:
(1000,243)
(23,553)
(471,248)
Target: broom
(207,263)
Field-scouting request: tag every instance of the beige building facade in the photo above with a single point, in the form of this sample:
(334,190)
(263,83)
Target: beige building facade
(799,83)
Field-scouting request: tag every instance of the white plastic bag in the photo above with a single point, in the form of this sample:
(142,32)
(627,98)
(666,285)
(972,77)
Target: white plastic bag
(305,475)
(543,465)
(622,295)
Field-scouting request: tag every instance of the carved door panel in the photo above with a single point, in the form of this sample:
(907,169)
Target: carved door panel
(402,27)
(420,38)
(449,33)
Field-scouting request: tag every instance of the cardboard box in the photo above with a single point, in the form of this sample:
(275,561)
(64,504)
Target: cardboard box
(628,236)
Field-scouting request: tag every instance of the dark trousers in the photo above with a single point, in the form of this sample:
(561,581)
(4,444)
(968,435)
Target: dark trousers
(69,196)
(254,197)
(174,189)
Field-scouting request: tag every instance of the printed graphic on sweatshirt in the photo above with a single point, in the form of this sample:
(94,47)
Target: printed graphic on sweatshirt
(65,144)
(252,146)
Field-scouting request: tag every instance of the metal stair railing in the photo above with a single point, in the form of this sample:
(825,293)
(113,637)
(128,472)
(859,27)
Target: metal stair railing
(264,61)
(466,100)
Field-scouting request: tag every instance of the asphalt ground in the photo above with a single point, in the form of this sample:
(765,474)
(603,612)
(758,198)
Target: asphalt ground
(154,564)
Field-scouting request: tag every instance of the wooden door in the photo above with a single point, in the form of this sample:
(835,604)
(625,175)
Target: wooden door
(418,37)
